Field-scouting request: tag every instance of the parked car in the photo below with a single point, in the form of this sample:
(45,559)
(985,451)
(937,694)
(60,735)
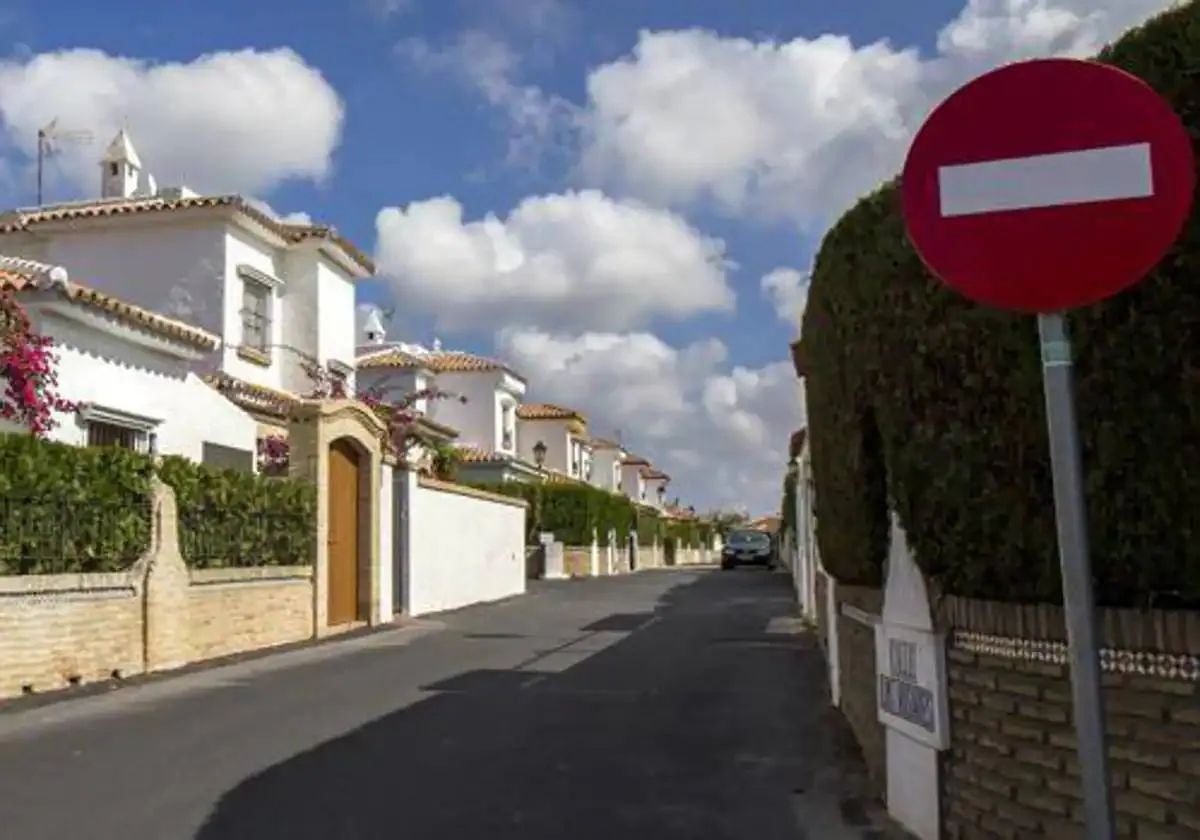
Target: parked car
(748,547)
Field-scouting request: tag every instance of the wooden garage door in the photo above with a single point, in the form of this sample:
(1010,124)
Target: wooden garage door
(343,533)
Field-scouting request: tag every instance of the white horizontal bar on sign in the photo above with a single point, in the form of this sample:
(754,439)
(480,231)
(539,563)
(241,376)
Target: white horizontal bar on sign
(1106,174)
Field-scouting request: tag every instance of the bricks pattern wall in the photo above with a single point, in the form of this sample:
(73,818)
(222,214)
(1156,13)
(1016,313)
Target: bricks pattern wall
(856,664)
(231,617)
(577,562)
(47,641)
(1012,770)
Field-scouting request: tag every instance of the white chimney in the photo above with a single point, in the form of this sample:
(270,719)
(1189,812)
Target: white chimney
(120,168)
(373,328)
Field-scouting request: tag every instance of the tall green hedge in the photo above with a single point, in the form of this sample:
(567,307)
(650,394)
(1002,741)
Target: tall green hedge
(68,509)
(918,395)
(233,518)
(571,511)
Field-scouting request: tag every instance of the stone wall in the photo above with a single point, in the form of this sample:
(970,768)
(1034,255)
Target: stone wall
(235,610)
(856,672)
(57,630)
(577,562)
(63,630)
(1012,770)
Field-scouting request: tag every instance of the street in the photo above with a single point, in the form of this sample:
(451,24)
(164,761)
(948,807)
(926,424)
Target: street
(672,704)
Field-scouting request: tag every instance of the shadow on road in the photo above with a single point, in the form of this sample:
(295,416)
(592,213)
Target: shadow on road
(698,724)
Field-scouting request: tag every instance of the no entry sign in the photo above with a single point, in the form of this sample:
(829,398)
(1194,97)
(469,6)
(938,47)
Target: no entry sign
(1048,184)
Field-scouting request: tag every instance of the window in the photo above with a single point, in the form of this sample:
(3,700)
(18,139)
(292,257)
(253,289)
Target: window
(110,434)
(256,314)
(507,442)
(113,169)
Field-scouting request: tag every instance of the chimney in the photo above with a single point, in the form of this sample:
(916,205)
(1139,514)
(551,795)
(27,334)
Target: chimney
(120,168)
(373,328)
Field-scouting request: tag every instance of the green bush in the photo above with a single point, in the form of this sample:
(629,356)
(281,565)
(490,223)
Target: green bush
(232,518)
(649,526)
(917,395)
(571,511)
(66,509)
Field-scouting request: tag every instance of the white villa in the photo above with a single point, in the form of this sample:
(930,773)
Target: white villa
(607,456)
(558,437)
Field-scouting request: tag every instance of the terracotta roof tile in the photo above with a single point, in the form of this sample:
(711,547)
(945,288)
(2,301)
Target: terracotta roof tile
(251,397)
(474,455)
(439,361)
(24,276)
(605,443)
(548,411)
(20,220)
(651,473)
(632,460)
(390,359)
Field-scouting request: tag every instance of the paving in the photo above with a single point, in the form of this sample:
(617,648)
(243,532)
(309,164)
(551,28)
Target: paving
(666,704)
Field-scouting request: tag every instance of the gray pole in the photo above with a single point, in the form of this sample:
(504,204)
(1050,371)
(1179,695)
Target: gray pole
(1069,511)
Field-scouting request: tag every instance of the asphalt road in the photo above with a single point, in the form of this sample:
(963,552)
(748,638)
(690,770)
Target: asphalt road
(667,704)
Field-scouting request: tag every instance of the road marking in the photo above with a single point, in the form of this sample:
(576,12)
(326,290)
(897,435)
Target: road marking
(1055,180)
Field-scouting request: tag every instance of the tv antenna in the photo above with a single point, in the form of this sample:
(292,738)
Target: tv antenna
(48,140)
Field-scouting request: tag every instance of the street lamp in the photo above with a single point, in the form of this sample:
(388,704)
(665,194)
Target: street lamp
(539,454)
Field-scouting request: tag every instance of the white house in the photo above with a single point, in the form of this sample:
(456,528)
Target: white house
(633,483)
(129,371)
(482,408)
(558,435)
(275,293)
(606,464)
(655,482)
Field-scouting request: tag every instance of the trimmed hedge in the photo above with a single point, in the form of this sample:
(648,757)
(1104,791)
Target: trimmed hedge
(65,509)
(69,509)
(231,518)
(572,511)
(916,394)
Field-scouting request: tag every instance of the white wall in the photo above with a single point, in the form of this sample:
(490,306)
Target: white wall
(652,487)
(335,302)
(553,433)
(476,419)
(94,367)
(606,469)
(175,269)
(632,482)
(461,549)
(300,322)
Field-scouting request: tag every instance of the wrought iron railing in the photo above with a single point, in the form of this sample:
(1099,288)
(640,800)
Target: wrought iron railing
(214,537)
(61,535)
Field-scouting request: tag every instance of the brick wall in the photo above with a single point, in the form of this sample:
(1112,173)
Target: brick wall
(856,664)
(234,610)
(60,629)
(1012,769)
(577,562)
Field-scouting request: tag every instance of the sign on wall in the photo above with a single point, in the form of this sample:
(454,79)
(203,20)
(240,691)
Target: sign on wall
(910,683)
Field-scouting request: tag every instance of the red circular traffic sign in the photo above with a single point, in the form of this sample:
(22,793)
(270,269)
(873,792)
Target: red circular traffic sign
(1048,184)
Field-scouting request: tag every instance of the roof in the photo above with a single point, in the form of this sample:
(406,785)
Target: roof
(653,474)
(438,361)
(470,454)
(632,460)
(256,398)
(548,411)
(605,443)
(121,149)
(19,275)
(29,218)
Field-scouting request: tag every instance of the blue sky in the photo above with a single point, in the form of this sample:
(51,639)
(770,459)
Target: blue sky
(694,120)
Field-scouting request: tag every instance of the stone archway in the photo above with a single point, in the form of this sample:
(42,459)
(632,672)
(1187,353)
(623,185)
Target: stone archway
(338,446)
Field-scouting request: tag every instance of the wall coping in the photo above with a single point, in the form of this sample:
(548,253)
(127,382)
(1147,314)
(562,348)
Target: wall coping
(1168,631)
(463,490)
(78,582)
(249,574)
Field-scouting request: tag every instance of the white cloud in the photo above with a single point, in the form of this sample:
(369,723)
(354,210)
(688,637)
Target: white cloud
(239,121)
(387,9)
(798,129)
(577,260)
(787,290)
(487,64)
(722,434)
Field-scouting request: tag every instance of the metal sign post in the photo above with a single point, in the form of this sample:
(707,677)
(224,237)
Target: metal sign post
(1071,517)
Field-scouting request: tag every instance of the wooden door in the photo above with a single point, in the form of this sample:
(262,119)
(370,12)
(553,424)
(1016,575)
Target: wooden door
(343,533)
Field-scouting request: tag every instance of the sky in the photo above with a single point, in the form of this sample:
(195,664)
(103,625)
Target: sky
(622,199)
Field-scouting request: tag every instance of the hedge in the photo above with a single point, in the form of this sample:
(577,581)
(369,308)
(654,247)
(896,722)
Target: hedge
(573,512)
(918,396)
(233,518)
(70,509)
(66,509)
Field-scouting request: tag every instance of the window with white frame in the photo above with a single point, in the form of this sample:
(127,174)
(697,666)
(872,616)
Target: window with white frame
(256,314)
(108,427)
(507,427)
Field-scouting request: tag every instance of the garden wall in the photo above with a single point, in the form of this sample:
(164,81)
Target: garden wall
(857,608)
(1012,768)
(465,546)
(68,629)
